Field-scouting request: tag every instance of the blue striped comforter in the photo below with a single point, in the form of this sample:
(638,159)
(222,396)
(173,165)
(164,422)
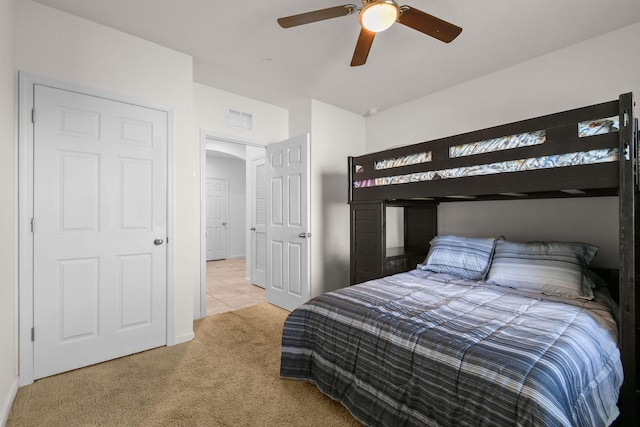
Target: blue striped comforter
(425,349)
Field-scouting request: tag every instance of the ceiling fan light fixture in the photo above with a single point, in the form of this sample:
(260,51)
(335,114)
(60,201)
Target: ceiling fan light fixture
(379,15)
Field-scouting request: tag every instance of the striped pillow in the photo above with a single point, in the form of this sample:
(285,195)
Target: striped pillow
(552,268)
(465,257)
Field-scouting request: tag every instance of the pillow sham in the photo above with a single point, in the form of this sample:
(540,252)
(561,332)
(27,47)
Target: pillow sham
(552,268)
(464,257)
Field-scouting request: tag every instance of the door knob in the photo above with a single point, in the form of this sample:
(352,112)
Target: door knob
(252,229)
(158,242)
(224,223)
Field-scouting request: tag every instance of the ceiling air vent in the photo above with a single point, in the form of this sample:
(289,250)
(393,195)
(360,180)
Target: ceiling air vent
(239,120)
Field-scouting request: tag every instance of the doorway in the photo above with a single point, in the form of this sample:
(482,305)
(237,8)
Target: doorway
(230,160)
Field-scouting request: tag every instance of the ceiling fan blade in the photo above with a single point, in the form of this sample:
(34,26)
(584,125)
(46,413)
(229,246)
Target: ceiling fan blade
(317,15)
(363,46)
(428,24)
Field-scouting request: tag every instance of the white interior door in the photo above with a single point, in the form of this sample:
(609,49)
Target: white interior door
(288,223)
(259,221)
(217,199)
(100,206)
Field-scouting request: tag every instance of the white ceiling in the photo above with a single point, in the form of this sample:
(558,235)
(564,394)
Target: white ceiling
(237,46)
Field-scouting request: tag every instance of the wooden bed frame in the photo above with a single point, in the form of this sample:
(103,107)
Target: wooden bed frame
(393,178)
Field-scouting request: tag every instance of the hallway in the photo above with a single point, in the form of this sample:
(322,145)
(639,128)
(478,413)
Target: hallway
(227,289)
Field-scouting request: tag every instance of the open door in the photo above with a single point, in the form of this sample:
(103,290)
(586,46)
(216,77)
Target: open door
(288,223)
(258,221)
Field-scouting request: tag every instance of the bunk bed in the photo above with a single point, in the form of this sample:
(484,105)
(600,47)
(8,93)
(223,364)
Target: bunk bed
(396,349)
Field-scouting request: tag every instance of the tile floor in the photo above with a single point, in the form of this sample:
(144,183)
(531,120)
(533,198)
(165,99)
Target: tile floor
(227,289)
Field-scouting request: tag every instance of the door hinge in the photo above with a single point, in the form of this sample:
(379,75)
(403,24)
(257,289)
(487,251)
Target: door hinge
(33,334)
(33,225)
(33,115)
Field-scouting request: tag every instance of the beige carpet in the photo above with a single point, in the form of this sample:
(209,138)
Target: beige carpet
(227,376)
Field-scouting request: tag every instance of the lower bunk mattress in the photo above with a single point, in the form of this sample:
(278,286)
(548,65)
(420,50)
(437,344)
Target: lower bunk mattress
(427,349)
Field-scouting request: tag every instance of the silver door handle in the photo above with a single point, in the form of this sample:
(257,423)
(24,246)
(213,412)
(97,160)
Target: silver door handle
(158,242)
(304,235)
(252,229)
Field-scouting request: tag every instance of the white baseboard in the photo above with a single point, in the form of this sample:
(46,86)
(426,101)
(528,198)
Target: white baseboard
(8,402)
(184,338)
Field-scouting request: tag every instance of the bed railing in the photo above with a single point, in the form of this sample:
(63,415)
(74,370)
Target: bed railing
(575,152)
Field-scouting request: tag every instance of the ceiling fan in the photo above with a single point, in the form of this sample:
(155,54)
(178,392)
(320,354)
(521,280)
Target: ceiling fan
(376,16)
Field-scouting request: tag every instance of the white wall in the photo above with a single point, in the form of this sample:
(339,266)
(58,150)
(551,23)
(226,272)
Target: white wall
(590,72)
(270,124)
(335,134)
(300,116)
(61,46)
(583,219)
(233,170)
(8,214)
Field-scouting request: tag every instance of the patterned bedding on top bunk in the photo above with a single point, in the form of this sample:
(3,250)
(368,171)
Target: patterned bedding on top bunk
(588,157)
(429,348)
(591,157)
